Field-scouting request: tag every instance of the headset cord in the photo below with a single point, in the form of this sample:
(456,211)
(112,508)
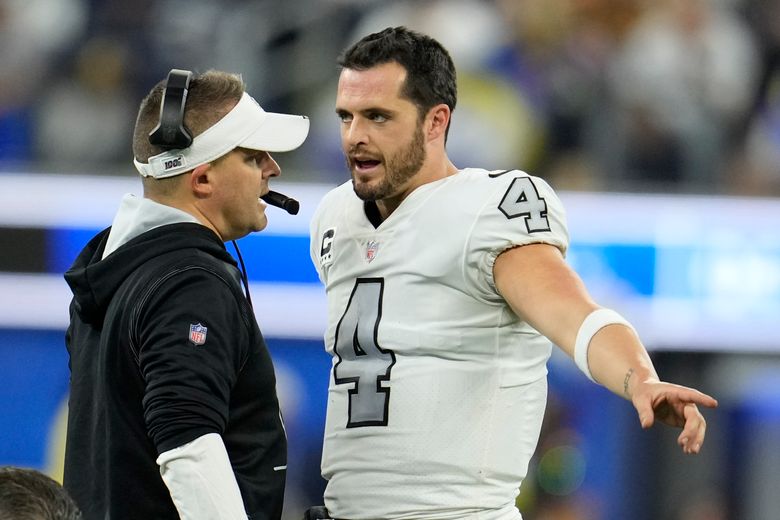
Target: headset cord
(244,276)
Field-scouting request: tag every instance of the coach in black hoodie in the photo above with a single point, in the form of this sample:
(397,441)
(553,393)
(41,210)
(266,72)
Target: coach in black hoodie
(173,410)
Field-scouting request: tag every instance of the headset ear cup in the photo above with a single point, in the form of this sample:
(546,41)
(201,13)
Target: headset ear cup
(171,132)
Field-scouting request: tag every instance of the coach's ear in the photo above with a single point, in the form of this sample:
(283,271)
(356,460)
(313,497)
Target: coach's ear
(202,181)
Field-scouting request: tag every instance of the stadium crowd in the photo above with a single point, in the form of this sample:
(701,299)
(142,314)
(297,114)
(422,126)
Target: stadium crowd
(631,95)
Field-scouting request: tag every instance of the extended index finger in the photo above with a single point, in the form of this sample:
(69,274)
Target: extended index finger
(691,395)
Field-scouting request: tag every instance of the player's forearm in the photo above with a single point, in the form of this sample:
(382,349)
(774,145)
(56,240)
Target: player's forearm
(618,360)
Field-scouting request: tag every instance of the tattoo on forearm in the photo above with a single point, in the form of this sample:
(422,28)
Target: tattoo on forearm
(625,381)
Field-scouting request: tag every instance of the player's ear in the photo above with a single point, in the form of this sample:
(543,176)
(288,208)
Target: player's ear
(202,181)
(437,120)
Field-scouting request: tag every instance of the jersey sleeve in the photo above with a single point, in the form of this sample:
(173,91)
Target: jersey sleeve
(518,209)
(322,228)
(315,239)
(192,341)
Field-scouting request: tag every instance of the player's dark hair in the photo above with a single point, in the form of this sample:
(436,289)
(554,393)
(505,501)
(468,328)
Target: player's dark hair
(430,71)
(27,494)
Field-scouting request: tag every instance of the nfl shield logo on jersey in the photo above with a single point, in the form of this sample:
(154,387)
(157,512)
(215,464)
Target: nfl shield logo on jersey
(371,249)
(198,334)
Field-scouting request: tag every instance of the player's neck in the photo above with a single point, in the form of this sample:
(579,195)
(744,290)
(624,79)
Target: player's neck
(425,176)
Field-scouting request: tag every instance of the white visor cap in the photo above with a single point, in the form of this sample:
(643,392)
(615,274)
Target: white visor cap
(247,125)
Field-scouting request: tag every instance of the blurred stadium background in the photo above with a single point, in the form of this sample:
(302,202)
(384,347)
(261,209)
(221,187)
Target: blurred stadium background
(657,121)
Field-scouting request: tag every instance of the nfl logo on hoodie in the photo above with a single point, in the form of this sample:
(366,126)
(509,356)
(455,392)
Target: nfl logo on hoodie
(198,334)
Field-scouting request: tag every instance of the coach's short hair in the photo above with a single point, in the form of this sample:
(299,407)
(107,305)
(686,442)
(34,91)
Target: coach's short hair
(211,95)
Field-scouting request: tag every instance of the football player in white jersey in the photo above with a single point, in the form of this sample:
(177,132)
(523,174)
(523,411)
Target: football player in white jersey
(446,288)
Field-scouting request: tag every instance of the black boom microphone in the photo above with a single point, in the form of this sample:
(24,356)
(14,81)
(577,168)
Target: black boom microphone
(274,198)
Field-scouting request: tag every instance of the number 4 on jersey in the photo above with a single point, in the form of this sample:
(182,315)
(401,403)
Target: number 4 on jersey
(522,200)
(362,363)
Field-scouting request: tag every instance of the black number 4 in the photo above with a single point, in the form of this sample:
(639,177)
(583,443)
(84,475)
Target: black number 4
(362,363)
(522,200)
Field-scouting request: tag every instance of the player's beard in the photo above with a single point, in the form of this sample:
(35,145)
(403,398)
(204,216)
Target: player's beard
(399,168)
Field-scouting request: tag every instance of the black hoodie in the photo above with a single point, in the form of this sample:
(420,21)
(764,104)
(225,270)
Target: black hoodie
(164,348)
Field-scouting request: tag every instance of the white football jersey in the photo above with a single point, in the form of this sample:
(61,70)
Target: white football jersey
(437,390)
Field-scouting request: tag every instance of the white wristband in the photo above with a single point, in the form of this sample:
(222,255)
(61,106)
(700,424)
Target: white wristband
(594,322)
